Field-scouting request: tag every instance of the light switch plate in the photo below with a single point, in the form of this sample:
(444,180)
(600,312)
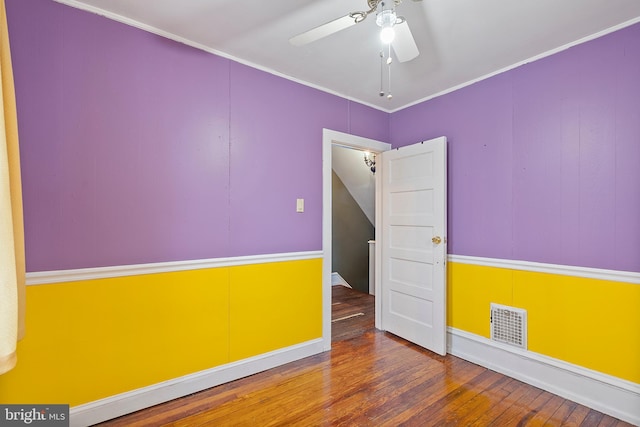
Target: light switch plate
(300,205)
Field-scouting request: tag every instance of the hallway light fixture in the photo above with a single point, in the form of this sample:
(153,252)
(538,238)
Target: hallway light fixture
(370,161)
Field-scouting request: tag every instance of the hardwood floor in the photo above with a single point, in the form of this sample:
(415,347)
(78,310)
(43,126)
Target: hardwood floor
(370,378)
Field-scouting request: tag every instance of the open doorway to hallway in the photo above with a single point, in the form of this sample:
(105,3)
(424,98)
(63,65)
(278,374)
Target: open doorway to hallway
(353,190)
(356,146)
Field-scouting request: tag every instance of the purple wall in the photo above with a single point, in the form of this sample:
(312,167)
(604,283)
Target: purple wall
(137,149)
(544,159)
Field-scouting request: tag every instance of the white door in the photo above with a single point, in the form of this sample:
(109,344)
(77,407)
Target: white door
(413,252)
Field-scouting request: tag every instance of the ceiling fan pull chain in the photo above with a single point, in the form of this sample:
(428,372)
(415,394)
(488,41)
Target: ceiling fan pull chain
(389,60)
(381,72)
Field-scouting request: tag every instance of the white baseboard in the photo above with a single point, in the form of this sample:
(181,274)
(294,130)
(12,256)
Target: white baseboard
(125,403)
(338,280)
(604,393)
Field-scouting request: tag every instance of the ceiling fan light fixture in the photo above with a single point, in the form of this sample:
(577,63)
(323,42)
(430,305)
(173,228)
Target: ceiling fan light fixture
(386,19)
(387,34)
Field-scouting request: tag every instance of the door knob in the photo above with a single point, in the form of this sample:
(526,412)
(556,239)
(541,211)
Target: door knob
(437,240)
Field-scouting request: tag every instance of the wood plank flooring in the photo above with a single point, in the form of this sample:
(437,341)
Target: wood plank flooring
(370,378)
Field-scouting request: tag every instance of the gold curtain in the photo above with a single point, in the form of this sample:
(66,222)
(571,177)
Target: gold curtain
(12,264)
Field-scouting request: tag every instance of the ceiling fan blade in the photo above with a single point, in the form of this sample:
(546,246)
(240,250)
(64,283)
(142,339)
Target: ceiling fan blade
(322,31)
(403,44)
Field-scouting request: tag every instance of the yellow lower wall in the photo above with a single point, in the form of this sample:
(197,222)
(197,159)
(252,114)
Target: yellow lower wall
(97,338)
(284,311)
(587,322)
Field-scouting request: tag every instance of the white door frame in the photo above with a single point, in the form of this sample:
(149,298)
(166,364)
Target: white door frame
(329,138)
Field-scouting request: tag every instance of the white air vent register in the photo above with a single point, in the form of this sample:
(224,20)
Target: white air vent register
(509,325)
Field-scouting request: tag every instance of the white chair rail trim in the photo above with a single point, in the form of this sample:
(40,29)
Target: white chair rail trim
(566,270)
(61,276)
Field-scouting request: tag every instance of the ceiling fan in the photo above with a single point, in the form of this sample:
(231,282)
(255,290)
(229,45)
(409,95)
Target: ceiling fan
(395,30)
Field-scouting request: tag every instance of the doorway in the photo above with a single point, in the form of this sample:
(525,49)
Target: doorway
(331,139)
(353,217)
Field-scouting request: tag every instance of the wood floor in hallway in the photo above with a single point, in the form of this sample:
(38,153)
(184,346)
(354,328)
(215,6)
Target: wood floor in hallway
(371,378)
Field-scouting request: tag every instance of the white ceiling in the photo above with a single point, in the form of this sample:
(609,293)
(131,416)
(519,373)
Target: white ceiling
(460,41)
